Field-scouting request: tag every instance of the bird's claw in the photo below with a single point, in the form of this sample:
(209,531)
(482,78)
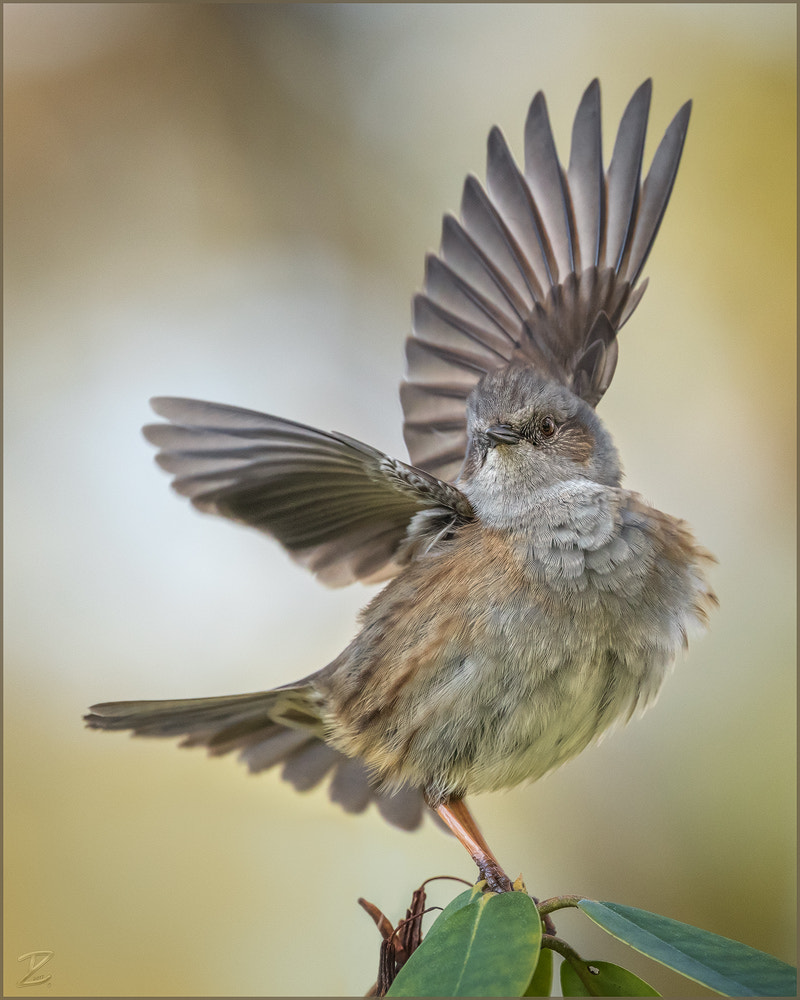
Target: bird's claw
(496,878)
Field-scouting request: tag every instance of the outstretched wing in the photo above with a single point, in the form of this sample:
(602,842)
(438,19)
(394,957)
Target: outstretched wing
(542,269)
(339,507)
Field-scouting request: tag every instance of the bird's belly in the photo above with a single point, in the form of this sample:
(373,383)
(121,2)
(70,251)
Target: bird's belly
(525,689)
(496,722)
(462,682)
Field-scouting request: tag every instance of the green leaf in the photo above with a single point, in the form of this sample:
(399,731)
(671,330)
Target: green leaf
(541,985)
(484,946)
(609,981)
(461,900)
(725,966)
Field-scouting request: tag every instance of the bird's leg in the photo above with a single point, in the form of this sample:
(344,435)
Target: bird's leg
(459,819)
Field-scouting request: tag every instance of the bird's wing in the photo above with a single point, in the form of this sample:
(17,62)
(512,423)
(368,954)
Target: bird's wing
(541,269)
(339,507)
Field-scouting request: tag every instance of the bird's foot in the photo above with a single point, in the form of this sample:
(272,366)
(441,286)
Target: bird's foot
(496,878)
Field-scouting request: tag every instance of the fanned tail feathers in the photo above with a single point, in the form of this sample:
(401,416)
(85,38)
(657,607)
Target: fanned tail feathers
(269,728)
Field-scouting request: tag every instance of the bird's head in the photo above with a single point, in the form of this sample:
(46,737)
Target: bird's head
(527,433)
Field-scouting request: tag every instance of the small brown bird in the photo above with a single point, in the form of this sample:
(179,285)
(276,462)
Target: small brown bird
(534,601)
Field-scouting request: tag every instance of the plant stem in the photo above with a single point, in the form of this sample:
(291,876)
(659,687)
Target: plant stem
(558,903)
(568,953)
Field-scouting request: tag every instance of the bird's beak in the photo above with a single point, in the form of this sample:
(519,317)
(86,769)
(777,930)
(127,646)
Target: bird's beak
(502,434)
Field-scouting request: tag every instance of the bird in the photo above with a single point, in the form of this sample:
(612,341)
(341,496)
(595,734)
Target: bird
(531,602)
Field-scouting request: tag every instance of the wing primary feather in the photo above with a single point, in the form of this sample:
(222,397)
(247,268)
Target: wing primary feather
(656,192)
(624,171)
(510,193)
(485,225)
(468,260)
(442,334)
(586,180)
(545,179)
(449,292)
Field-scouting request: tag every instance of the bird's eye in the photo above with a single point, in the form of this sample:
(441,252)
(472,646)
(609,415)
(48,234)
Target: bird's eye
(547,427)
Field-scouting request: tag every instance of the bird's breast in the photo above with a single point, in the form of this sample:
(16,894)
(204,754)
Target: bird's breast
(505,654)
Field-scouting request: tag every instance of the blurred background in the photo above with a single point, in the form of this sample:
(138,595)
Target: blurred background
(233,202)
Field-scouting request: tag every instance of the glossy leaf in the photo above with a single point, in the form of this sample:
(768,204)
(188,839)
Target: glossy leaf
(461,900)
(609,981)
(541,984)
(484,946)
(725,966)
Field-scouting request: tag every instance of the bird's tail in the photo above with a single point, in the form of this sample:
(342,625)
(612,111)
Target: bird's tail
(283,726)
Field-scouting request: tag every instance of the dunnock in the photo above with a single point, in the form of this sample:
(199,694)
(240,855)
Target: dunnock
(535,601)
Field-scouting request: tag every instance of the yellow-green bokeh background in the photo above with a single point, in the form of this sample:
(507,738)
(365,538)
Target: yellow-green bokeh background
(233,202)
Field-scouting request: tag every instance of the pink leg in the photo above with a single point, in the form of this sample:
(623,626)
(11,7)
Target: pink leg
(459,819)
